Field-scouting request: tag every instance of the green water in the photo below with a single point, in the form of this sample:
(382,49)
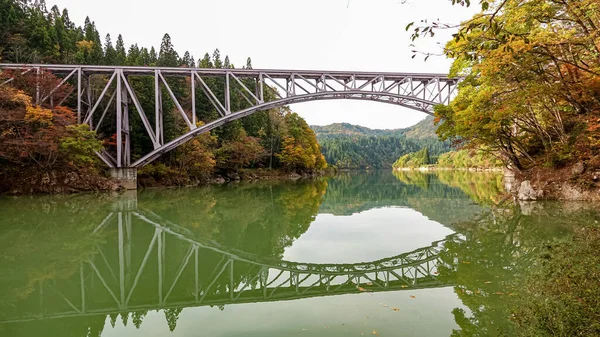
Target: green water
(404,254)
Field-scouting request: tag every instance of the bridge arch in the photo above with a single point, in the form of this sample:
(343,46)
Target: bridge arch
(381,97)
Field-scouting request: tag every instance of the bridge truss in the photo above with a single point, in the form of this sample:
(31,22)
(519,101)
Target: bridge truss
(117,273)
(261,89)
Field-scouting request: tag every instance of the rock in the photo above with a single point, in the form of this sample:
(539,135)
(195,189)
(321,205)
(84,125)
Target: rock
(511,184)
(233,176)
(578,168)
(571,193)
(218,180)
(527,192)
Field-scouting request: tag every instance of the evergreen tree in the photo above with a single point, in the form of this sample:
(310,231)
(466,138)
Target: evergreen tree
(144,57)
(167,56)
(187,60)
(121,53)
(153,58)
(110,54)
(134,56)
(217,63)
(205,62)
(226,63)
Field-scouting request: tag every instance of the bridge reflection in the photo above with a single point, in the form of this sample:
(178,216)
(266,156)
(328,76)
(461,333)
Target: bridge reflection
(147,263)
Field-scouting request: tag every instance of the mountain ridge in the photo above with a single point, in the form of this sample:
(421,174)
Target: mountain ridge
(421,130)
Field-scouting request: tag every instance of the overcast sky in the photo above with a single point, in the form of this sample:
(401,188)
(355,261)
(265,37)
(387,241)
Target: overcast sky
(301,34)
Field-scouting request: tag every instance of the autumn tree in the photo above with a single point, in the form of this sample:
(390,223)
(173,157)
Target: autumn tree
(532,81)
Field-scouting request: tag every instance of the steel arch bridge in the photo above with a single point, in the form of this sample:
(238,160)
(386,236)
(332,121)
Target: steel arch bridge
(118,98)
(116,272)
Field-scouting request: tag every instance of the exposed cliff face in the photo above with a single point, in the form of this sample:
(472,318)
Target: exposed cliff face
(577,182)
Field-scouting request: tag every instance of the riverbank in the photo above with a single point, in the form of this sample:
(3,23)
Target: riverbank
(577,182)
(437,168)
(70,181)
(33,181)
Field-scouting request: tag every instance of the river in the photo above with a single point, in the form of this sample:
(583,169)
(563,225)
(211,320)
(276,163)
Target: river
(378,253)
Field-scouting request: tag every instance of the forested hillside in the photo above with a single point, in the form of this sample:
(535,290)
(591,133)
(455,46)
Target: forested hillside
(350,146)
(30,33)
(340,130)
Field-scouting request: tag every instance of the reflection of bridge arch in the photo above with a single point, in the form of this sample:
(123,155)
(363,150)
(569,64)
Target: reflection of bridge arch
(261,90)
(267,279)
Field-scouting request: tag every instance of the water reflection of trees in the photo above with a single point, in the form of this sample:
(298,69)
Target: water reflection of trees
(488,267)
(259,218)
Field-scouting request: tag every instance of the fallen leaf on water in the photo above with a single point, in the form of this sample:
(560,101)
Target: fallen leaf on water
(403,286)
(435,272)
(395,309)
(375,332)
(361,289)
(499,293)
(466,262)
(413,296)
(385,305)
(488,282)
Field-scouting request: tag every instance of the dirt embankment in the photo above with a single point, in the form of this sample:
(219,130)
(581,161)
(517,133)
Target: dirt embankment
(579,181)
(36,181)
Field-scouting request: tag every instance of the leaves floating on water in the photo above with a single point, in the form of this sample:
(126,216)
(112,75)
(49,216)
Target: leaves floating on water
(413,296)
(488,282)
(395,309)
(404,286)
(375,332)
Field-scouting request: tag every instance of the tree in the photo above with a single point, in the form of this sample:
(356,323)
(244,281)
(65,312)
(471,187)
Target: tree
(531,82)
(167,56)
(121,57)
(110,54)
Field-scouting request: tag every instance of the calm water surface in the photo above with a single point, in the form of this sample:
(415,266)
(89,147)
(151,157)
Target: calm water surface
(404,254)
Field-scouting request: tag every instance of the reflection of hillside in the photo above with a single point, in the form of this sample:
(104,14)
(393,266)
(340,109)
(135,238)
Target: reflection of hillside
(44,238)
(482,187)
(260,218)
(351,193)
(499,247)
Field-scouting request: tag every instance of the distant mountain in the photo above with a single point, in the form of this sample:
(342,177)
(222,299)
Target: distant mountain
(349,130)
(350,146)
(423,129)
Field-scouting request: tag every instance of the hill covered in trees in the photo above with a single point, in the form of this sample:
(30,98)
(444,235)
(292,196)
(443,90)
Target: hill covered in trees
(423,129)
(30,33)
(350,146)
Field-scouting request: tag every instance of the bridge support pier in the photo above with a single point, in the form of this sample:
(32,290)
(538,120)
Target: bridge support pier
(125,176)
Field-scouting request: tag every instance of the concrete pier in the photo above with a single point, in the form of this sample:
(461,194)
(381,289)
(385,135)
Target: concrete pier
(125,176)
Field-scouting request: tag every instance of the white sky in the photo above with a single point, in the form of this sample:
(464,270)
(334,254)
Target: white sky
(301,34)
